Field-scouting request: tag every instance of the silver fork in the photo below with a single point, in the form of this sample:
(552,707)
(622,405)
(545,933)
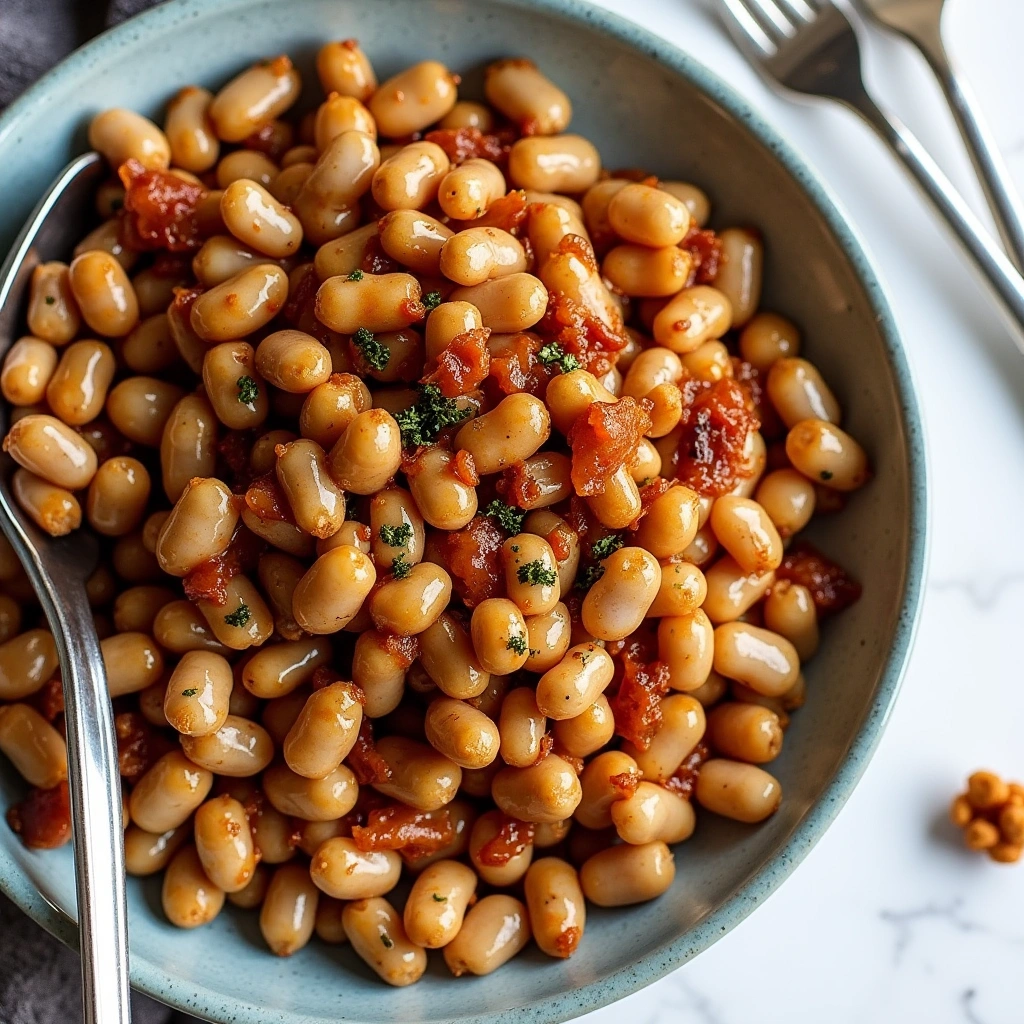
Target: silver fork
(920,21)
(58,568)
(810,47)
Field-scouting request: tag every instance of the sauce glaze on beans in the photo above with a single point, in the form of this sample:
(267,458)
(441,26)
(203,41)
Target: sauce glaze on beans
(435,462)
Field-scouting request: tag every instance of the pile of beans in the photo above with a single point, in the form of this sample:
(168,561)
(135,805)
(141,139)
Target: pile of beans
(991,813)
(447,484)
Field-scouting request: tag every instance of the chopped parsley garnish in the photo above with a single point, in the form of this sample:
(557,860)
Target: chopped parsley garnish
(431,301)
(190,692)
(240,616)
(400,568)
(351,506)
(606,546)
(248,390)
(50,300)
(589,577)
(356,275)
(552,354)
(517,644)
(396,536)
(421,423)
(373,352)
(387,940)
(536,573)
(509,518)
(438,898)
(826,474)
(515,548)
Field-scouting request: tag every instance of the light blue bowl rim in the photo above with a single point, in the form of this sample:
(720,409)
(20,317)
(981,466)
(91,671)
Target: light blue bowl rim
(150,979)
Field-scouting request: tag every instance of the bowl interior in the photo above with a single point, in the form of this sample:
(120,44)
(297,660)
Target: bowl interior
(644,105)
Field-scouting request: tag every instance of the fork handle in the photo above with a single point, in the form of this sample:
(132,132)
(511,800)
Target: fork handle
(990,261)
(993,174)
(95,805)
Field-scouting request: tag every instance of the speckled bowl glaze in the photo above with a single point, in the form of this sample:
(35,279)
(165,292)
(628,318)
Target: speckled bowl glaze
(645,104)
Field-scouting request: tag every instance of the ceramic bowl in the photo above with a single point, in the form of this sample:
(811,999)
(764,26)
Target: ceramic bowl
(647,105)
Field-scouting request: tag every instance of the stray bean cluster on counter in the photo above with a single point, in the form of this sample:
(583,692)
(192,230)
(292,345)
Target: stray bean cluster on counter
(991,813)
(448,485)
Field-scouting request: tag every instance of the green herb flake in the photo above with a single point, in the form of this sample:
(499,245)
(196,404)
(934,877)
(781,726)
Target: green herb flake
(240,616)
(421,423)
(438,898)
(190,692)
(509,518)
(517,644)
(396,536)
(50,300)
(606,546)
(826,474)
(356,275)
(589,577)
(515,548)
(552,354)
(431,301)
(387,940)
(536,573)
(374,353)
(351,506)
(248,390)
(400,568)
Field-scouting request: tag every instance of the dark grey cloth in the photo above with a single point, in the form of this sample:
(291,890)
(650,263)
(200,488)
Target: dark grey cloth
(39,978)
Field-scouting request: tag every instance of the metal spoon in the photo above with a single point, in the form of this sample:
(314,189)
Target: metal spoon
(920,21)
(58,569)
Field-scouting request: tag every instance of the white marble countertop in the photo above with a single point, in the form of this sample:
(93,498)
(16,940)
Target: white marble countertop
(888,919)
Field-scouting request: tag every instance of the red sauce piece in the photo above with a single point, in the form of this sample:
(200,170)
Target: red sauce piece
(367,765)
(560,543)
(463,364)
(159,209)
(49,700)
(506,212)
(517,487)
(463,144)
(271,140)
(43,818)
(266,499)
(567,940)
(324,676)
(516,367)
(684,780)
(581,333)
(512,837)
(404,649)
(139,745)
(472,556)
(301,297)
(398,827)
(412,309)
(547,741)
(605,438)
(376,260)
(637,705)
(233,449)
(464,467)
(626,783)
(831,586)
(209,581)
(717,419)
(706,250)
